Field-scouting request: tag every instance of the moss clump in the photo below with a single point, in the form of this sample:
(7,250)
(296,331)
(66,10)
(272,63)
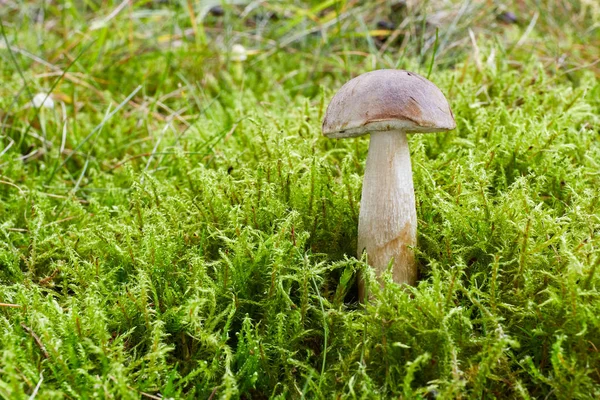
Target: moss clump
(195,240)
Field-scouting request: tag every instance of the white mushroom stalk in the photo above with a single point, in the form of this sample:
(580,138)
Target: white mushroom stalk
(387,225)
(388,104)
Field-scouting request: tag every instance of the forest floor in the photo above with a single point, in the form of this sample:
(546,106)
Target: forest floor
(175,225)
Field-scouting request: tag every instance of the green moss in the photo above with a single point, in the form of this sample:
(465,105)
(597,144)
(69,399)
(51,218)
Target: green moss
(199,241)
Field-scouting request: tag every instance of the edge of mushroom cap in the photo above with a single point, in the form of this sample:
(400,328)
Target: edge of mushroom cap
(387,99)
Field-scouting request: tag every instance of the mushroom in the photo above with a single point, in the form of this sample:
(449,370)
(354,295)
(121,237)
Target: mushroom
(42,100)
(388,104)
(238,53)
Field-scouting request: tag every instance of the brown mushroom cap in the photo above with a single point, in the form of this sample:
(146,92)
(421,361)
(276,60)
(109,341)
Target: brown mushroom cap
(387,99)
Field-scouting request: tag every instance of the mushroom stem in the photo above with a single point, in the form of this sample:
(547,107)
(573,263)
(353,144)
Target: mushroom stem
(387,224)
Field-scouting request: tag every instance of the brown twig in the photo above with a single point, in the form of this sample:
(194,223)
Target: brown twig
(148,395)
(37,340)
(10,305)
(117,165)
